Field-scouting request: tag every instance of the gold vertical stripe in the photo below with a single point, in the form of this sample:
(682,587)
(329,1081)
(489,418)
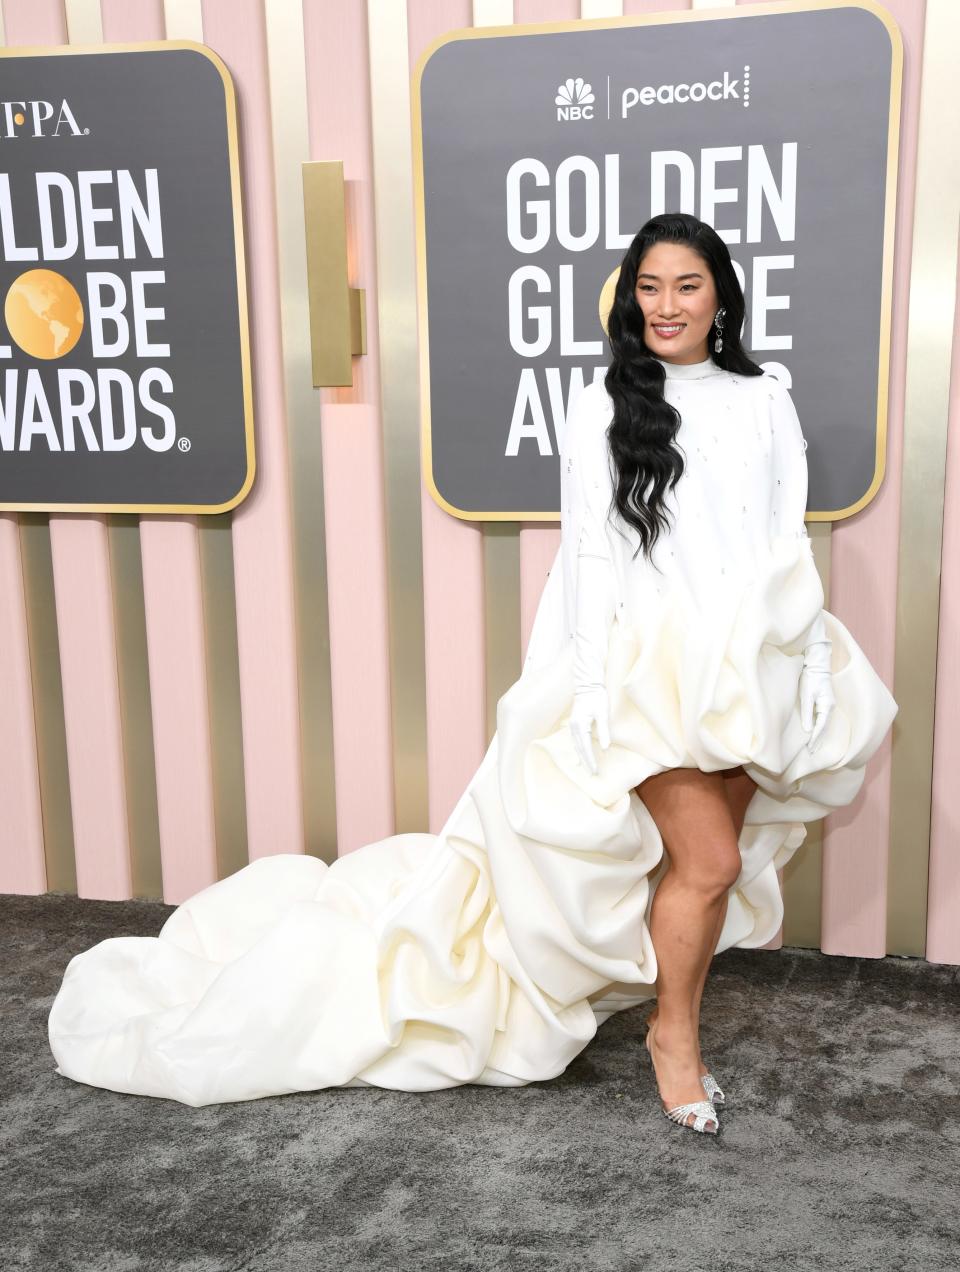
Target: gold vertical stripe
(215,535)
(501,613)
(133,678)
(492,13)
(929,337)
(399,356)
(601,9)
(184,21)
(84,22)
(286,56)
(49,721)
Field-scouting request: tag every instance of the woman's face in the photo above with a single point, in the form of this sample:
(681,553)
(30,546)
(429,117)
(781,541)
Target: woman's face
(674,287)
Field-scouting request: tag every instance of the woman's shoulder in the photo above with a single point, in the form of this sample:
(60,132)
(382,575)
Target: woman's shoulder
(767,385)
(594,398)
(765,390)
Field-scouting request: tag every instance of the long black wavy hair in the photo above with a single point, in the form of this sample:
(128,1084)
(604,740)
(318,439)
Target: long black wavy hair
(644,427)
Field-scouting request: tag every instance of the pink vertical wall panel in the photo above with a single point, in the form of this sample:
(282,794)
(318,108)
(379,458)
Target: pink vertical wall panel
(943,899)
(129,21)
(22,866)
(262,546)
(80,550)
(338,102)
(359,622)
(173,601)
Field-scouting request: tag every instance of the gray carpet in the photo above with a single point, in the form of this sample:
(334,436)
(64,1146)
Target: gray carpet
(839,1146)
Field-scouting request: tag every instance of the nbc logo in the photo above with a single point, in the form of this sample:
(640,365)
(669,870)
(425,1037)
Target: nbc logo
(574,100)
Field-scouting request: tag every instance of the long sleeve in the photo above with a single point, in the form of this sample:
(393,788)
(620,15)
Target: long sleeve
(789,502)
(595,609)
(586,492)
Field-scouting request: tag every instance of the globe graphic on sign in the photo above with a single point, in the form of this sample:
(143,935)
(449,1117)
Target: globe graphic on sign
(44,313)
(607,293)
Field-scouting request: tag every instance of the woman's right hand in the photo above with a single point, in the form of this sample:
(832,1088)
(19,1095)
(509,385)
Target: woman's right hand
(590,706)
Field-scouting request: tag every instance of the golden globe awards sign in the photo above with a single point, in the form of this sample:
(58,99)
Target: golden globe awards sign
(541,151)
(124,351)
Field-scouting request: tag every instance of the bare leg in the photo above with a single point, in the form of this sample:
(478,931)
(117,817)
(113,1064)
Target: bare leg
(739,789)
(698,993)
(693,815)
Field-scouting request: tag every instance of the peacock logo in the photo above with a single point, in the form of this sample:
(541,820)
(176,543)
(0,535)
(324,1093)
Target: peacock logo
(574,99)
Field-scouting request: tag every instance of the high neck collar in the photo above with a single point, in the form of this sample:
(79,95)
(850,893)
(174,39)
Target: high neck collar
(690,370)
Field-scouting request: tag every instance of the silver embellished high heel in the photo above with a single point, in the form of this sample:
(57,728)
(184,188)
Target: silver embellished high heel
(705,1113)
(703,1110)
(710,1085)
(713,1091)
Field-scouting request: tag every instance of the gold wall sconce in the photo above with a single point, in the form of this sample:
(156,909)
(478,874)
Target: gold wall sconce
(338,331)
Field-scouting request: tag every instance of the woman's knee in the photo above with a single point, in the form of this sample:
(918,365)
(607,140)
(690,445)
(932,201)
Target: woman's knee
(694,818)
(712,871)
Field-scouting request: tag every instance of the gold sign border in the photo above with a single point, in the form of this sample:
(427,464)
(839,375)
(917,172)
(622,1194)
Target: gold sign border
(689,15)
(230,103)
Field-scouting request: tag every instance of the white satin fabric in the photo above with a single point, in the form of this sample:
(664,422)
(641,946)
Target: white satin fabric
(490,952)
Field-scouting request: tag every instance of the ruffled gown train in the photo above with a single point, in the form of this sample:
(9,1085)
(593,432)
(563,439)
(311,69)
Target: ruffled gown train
(490,952)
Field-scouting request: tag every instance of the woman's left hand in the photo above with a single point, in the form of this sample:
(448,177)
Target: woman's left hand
(817,701)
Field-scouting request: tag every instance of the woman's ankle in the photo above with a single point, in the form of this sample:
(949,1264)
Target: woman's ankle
(652,1019)
(674,1036)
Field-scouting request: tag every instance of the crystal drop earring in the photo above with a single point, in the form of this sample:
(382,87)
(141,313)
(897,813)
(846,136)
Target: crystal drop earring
(718,323)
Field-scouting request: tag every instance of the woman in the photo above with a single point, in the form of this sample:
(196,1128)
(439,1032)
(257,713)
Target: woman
(676,292)
(730,709)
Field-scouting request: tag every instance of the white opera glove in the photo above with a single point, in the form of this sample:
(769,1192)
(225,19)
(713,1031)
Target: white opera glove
(595,608)
(817,698)
(590,707)
(789,510)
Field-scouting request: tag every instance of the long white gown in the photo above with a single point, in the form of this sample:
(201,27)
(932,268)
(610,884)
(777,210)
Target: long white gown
(489,953)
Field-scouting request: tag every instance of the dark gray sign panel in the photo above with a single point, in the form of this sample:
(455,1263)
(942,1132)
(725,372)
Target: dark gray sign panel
(542,150)
(124,349)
